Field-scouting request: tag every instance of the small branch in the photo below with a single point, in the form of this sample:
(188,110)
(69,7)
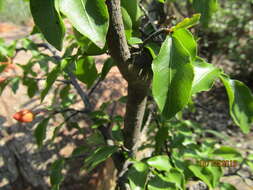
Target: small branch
(79,90)
(57,80)
(151,21)
(177,9)
(156,33)
(116,38)
(94,87)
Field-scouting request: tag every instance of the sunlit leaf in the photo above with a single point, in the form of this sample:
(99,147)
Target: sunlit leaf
(204,75)
(90,18)
(240,103)
(173,76)
(227,152)
(160,163)
(187,22)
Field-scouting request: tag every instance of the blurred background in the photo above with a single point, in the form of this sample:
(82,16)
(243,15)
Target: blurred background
(227,41)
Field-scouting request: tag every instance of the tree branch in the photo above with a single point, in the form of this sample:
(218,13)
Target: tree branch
(79,90)
(116,38)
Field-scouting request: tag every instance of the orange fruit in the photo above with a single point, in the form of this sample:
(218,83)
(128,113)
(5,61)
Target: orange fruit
(25,116)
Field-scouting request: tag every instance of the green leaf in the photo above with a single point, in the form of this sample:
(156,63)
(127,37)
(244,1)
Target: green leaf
(90,18)
(217,174)
(250,164)
(56,176)
(40,131)
(173,76)
(3,66)
(187,22)
(203,173)
(160,163)
(133,10)
(240,103)
(87,46)
(127,23)
(153,49)
(117,133)
(3,85)
(80,150)
(226,186)
(32,88)
(98,156)
(56,131)
(15,84)
(52,76)
(206,8)
(86,70)
(161,137)
(134,40)
(204,75)
(177,177)
(157,183)
(137,176)
(227,152)
(187,40)
(48,21)
(109,63)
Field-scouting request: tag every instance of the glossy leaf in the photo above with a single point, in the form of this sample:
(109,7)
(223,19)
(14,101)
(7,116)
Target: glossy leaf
(187,22)
(52,76)
(240,103)
(90,18)
(100,155)
(137,176)
(160,163)
(206,8)
(227,152)
(40,131)
(187,40)
(173,76)
(56,176)
(86,71)
(49,21)
(205,75)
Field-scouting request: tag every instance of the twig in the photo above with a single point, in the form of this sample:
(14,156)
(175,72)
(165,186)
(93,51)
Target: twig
(151,21)
(79,90)
(94,86)
(58,80)
(156,33)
